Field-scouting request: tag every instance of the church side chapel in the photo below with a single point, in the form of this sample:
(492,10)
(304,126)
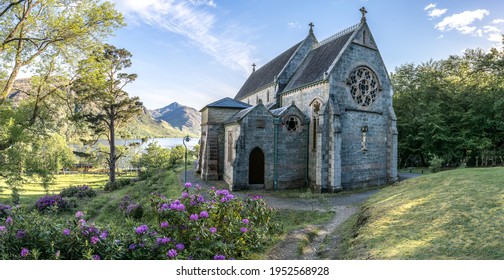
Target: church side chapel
(318,115)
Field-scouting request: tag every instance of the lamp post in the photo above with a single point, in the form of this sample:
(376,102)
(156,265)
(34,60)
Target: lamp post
(184,140)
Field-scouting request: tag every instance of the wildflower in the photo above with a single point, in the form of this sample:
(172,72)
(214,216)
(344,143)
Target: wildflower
(66,232)
(244,229)
(142,229)
(25,252)
(96,257)
(188,185)
(219,257)
(79,214)
(180,246)
(245,221)
(193,217)
(20,234)
(164,225)
(9,221)
(94,239)
(172,253)
(213,230)
(203,214)
(104,234)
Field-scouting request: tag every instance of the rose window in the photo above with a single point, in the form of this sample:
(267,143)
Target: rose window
(363,86)
(292,124)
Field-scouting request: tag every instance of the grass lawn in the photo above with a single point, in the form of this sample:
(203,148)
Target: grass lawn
(33,190)
(457,214)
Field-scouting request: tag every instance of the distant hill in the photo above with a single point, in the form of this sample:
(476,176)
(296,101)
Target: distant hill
(181,117)
(141,126)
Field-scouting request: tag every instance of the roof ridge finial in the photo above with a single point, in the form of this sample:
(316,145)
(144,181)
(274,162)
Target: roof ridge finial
(364,12)
(311,25)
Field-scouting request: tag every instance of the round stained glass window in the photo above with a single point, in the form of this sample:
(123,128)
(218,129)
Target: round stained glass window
(292,124)
(363,86)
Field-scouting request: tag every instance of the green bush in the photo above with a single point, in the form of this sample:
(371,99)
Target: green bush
(118,184)
(78,192)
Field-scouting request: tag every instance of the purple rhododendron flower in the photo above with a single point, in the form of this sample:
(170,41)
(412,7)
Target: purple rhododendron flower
(219,257)
(96,257)
(9,221)
(66,232)
(20,234)
(245,221)
(104,234)
(142,229)
(180,247)
(79,214)
(25,252)
(132,246)
(213,230)
(185,195)
(244,229)
(162,241)
(82,222)
(2,229)
(172,253)
(201,199)
(203,214)
(188,185)
(193,217)
(164,225)
(94,239)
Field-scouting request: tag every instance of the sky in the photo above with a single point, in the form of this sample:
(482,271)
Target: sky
(195,52)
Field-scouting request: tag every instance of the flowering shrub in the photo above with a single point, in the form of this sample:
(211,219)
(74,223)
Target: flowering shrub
(5,210)
(78,192)
(198,225)
(130,208)
(53,202)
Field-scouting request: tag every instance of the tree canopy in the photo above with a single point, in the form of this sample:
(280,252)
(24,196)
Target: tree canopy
(452,109)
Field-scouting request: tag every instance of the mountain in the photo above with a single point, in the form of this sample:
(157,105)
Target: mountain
(181,117)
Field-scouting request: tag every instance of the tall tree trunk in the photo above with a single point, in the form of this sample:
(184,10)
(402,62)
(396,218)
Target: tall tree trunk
(112,161)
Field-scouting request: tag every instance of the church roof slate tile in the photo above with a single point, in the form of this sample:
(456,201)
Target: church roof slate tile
(318,61)
(227,102)
(266,74)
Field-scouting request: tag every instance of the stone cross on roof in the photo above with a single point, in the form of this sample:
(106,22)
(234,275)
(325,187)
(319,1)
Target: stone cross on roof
(253,67)
(364,12)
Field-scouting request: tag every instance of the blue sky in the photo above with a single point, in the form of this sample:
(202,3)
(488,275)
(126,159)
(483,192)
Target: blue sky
(197,51)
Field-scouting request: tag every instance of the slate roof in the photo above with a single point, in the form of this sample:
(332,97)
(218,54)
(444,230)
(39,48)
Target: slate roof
(318,61)
(227,102)
(266,74)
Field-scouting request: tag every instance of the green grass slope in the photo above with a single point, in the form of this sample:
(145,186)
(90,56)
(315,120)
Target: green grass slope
(456,214)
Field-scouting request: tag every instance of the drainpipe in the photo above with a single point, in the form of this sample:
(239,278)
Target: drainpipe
(276,122)
(307,122)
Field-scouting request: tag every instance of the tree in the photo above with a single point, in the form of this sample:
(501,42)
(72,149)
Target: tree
(155,158)
(65,28)
(104,105)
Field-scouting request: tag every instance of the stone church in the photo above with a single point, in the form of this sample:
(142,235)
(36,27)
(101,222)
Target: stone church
(318,115)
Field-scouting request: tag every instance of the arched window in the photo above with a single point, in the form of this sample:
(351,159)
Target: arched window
(315,122)
(230,146)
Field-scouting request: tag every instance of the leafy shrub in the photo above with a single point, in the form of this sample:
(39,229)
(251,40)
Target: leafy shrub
(118,184)
(130,208)
(435,163)
(55,202)
(5,210)
(78,192)
(198,225)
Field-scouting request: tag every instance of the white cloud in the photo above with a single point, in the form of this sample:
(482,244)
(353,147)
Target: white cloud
(495,37)
(195,21)
(490,29)
(462,21)
(498,21)
(293,25)
(437,12)
(430,6)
